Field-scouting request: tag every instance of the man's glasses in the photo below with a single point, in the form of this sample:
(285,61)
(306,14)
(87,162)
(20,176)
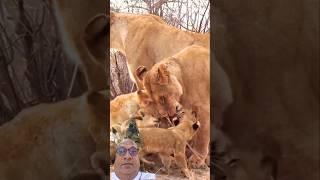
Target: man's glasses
(133,151)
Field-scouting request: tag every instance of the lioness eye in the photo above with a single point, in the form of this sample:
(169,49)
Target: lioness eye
(162,99)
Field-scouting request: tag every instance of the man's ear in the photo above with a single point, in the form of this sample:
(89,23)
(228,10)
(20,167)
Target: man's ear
(96,36)
(141,71)
(163,74)
(144,98)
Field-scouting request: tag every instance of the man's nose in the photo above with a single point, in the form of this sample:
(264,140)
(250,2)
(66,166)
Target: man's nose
(127,156)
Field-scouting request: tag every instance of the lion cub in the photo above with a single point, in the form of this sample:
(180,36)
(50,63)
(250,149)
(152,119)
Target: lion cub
(170,143)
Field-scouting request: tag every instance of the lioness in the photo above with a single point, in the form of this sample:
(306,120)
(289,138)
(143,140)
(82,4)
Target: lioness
(85,34)
(147,39)
(169,143)
(53,140)
(183,78)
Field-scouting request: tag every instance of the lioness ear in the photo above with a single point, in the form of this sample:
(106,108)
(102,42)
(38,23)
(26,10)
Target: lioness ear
(141,71)
(96,36)
(163,74)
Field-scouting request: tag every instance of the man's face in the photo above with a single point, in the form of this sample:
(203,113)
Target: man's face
(127,160)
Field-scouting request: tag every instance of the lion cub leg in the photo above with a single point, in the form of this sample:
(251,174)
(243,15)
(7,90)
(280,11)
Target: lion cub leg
(166,161)
(182,163)
(201,141)
(141,156)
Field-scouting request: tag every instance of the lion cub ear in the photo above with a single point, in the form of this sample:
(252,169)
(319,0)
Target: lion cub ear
(144,98)
(141,71)
(196,125)
(163,74)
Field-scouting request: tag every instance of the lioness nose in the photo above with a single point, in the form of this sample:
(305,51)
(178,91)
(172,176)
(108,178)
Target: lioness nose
(172,112)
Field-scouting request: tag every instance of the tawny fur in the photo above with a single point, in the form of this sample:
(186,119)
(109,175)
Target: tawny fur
(147,39)
(53,140)
(170,143)
(184,79)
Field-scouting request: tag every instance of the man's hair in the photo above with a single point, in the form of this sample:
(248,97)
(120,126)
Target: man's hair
(127,141)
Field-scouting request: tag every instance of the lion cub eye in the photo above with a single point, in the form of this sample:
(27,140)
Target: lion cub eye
(162,99)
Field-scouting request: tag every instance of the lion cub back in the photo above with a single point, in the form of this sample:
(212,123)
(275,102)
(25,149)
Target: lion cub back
(168,141)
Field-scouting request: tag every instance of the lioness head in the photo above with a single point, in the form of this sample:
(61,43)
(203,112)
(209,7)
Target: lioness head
(163,86)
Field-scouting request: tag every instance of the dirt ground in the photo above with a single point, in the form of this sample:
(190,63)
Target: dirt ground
(198,174)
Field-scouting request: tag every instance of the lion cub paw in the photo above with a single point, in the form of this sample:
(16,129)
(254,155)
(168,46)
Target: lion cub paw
(197,163)
(187,173)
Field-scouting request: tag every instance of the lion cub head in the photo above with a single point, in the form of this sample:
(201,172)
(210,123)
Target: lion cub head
(188,123)
(162,82)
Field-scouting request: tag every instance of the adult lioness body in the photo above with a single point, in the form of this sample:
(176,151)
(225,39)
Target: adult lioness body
(184,79)
(147,39)
(53,140)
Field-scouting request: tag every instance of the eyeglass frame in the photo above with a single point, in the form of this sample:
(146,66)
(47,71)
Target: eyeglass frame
(132,154)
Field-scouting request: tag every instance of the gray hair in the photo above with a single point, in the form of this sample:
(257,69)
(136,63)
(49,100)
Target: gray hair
(127,141)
